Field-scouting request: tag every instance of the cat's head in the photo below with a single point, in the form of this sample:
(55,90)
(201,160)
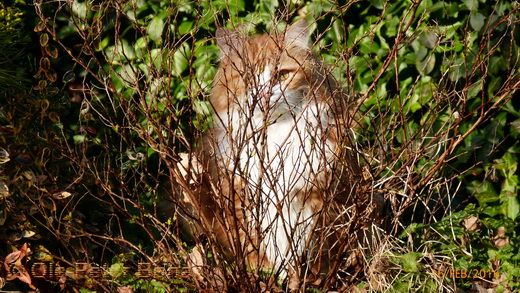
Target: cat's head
(273,73)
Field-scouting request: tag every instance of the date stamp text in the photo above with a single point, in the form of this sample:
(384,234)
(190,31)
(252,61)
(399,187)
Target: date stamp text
(468,274)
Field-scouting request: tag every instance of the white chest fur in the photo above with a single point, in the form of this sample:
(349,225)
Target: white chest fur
(280,164)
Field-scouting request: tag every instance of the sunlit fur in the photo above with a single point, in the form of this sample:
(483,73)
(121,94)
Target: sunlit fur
(277,135)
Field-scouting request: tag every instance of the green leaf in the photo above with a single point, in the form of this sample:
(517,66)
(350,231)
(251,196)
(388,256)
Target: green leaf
(155,29)
(409,262)
(477,21)
(391,25)
(474,89)
(156,56)
(509,189)
(456,69)
(80,9)
(140,44)
(78,138)
(516,125)
(511,207)
(426,65)
(485,193)
(429,39)
(379,4)
(185,27)
(180,59)
(471,4)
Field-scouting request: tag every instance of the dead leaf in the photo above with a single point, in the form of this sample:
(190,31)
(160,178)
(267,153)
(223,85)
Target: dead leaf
(15,236)
(23,275)
(16,256)
(24,249)
(3,217)
(478,286)
(500,240)
(28,234)
(502,279)
(471,223)
(62,281)
(61,195)
(4,156)
(4,190)
(124,289)
(17,271)
(29,175)
(48,203)
(377,282)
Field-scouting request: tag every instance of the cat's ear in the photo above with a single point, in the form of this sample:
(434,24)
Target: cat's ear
(228,41)
(298,34)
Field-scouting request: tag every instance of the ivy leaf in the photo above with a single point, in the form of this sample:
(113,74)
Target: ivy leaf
(426,65)
(477,21)
(485,193)
(474,89)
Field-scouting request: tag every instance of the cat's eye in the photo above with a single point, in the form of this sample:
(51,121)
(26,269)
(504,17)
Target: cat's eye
(283,75)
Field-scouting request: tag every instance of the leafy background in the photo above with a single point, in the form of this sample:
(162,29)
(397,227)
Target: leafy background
(99,98)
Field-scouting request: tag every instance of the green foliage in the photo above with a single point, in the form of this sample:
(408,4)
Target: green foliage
(12,43)
(482,239)
(11,17)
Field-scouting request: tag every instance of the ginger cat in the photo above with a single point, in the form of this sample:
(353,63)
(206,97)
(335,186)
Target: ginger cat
(283,175)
